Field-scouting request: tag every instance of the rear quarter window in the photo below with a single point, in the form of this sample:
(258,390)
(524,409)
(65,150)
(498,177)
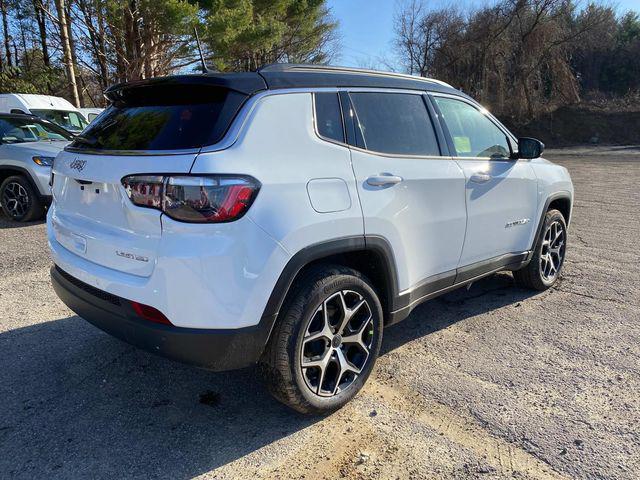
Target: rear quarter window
(329,116)
(150,118)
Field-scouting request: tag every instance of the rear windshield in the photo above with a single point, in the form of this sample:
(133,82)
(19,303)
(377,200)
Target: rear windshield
(164,117)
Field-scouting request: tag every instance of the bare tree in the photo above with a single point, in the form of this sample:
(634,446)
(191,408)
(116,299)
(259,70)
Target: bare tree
(514,55)
(423,36)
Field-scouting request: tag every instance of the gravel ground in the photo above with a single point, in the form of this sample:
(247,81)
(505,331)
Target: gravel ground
(490,382)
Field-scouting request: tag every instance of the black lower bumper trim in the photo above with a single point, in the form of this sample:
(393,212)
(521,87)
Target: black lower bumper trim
(213,349)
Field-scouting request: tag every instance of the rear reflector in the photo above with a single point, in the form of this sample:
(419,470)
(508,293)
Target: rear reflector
(150,313)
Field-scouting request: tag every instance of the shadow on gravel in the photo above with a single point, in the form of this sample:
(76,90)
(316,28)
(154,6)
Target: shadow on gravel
(78,403)
(484,295)
(6,222)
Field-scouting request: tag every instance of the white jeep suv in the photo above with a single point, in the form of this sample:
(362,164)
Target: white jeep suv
(284,217)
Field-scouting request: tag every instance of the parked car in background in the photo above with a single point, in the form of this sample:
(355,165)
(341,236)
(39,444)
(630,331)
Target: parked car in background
(287,216)
(55,109)
(28,145)
(91,113)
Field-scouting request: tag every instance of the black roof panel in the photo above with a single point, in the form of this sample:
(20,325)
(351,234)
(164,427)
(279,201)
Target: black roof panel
(296,76)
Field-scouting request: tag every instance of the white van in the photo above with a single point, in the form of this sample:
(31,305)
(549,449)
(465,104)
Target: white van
(90,114)
(55,109)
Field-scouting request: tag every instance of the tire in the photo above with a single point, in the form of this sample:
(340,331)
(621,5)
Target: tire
(548,256)
(346,364)
(19,200)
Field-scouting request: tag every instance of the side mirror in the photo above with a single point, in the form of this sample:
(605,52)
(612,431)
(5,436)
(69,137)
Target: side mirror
(529,148)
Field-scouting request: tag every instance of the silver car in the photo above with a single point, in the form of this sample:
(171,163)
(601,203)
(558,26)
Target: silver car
(28,145)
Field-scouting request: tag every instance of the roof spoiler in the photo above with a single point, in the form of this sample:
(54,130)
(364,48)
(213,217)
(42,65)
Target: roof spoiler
(242,83)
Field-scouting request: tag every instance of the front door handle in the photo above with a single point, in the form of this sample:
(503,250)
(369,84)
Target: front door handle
(383,179)
(480,177)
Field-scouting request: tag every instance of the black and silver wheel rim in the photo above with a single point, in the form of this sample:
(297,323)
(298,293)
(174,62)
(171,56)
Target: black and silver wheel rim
(15,200)
(337,343)
(552,252)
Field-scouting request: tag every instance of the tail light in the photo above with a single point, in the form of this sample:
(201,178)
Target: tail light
(195,199)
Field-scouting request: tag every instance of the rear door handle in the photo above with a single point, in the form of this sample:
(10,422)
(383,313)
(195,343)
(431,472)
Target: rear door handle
(383,179)
(480,177)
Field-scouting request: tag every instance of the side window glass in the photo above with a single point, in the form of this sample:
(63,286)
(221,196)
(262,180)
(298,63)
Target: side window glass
(396,123)
(473,134)
(328,116)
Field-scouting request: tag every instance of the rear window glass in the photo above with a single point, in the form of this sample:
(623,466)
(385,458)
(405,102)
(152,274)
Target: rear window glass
(163,118)
(395,123)
(328,116)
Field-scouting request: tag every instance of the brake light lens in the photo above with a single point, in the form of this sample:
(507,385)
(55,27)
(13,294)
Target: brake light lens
(194,199)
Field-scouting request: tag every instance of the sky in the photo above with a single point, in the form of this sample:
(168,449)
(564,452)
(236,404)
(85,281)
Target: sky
(366,27)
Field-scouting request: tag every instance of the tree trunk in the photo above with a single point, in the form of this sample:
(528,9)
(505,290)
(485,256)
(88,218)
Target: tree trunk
(72,46)
(101,50)
(133,47)
(38,8)
(96,31)
(66,49)
(27,59)
(148,49)
(121,69)
(5,28)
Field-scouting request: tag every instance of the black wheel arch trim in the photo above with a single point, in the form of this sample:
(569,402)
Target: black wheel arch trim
(25,173)
(563,195)
(326,249)
(358,243)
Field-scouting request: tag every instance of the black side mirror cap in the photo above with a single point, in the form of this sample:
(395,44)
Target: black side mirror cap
(529,148)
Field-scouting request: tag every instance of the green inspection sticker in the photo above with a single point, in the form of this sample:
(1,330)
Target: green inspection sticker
(462,144)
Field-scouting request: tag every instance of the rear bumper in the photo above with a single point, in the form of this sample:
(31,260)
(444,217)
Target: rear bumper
(213,349)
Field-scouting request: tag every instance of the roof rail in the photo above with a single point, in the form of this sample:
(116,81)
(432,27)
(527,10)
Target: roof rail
(288,67)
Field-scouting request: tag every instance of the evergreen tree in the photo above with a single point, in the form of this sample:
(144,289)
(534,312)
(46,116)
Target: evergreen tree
(246,34)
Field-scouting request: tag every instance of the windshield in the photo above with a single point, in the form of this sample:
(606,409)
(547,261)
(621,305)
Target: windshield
(72,121)
(21,130)
(161,118)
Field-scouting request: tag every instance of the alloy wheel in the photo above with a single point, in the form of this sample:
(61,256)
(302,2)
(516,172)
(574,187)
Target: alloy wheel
(552,253)
(15,200)
(337,343)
